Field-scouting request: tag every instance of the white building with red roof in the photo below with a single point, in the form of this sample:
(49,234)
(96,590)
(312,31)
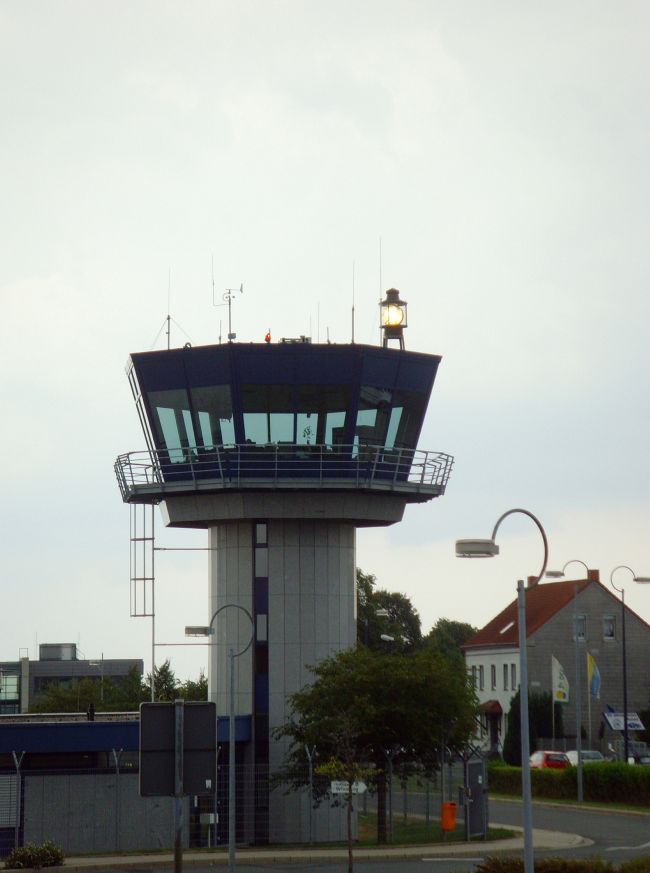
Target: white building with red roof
(553,609)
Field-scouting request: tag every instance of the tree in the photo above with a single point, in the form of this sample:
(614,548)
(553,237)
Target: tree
(402,622)
(540,724)
(194,689)
(377,705)
(165,684)
(448,636)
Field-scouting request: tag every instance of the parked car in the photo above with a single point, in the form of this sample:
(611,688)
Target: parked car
(587,756)
(554,760)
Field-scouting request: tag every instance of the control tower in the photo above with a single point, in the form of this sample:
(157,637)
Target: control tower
(280,451)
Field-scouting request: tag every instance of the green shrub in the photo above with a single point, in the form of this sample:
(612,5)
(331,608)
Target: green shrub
(636,865)
(30,856)
(607,782)
(550,865)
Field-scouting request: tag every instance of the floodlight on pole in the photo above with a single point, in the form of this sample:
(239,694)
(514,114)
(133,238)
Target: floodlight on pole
(481,548)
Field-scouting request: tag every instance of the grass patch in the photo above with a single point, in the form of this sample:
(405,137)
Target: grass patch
(416,831)
(567,801)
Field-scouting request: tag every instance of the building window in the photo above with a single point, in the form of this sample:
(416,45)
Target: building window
(474,676)
(513,677)
(481,678)
(609,627)
(493,677)
(505,677)
(580,627)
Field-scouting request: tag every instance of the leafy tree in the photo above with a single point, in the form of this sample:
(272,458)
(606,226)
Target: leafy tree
(346,769)
(165,684)
(402,621)
(375,705)
(194,689)
(447,637)
(124,695)
(540,724)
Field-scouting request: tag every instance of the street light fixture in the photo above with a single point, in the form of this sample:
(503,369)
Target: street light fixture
(487,549)
(559,574)
(200,630)
(621,591)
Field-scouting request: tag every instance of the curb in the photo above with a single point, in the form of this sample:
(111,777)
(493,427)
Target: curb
(542,839)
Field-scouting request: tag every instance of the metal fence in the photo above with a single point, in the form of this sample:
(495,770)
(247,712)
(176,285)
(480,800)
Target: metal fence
(95,811)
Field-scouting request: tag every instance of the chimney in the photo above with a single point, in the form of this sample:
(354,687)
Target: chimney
(530,581)
(593,575)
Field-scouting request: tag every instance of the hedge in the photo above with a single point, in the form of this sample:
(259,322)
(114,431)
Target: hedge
(565,865)
(608,782)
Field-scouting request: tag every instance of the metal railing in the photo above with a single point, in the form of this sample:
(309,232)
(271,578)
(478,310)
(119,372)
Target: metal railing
(282,464)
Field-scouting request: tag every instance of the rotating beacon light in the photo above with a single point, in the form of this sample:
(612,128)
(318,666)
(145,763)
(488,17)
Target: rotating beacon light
(392,317)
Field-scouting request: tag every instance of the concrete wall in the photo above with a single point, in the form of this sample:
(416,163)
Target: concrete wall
(100,812)
(311,615)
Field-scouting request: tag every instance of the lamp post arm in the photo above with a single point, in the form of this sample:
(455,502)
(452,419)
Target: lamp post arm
(611,576)
(575,561)
(540,528)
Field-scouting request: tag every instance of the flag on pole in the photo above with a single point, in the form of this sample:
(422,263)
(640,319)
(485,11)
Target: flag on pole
(593,674)
(559,681)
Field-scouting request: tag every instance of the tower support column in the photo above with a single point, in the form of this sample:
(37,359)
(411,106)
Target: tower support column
(297,579)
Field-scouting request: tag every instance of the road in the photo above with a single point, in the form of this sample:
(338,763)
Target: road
(617,836)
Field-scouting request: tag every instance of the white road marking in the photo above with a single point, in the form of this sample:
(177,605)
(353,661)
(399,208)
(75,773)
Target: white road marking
(627,848)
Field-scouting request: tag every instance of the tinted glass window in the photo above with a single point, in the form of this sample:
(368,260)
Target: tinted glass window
(173,424)
(213,408)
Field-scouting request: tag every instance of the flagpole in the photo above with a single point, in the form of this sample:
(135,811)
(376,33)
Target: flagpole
(589,675)
(578,693)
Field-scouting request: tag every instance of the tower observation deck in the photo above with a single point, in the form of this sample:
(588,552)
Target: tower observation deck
(280,451)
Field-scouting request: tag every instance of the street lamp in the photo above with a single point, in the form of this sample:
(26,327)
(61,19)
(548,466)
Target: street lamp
(200,631)
(621,591)
(488,549)
(558,574)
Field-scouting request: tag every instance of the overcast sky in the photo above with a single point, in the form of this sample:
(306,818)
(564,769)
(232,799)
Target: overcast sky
(499,150)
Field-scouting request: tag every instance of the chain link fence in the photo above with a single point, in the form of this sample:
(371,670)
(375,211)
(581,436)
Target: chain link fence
(95,811)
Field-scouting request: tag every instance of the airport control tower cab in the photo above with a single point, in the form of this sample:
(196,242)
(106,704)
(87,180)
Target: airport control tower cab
(280,451)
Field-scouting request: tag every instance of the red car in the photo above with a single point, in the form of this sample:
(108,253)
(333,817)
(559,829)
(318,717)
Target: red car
(555,760)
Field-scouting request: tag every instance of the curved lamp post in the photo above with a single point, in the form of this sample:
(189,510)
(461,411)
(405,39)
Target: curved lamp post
(559,574)
(232,654)
(621,591)
(488,549)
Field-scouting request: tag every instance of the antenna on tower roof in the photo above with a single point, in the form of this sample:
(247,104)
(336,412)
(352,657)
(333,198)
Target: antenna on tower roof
(228,297)
(167,323)
(353,302)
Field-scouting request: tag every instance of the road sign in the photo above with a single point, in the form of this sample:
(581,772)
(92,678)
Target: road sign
(341,786)
(616,721)
(159,756)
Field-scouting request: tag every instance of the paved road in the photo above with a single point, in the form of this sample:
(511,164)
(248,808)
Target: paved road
(616,836)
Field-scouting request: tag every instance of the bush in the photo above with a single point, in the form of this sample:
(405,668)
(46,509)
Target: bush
(552,865)
(607,782)
(636,865)
(30,856)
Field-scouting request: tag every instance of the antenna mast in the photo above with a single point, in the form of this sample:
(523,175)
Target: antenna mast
(228,296)
(352,302)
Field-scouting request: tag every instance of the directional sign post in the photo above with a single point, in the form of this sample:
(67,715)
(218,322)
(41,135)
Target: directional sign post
(616,721)
(340,786)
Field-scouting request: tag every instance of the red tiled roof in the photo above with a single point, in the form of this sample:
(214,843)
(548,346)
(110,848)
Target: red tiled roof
(542,602)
